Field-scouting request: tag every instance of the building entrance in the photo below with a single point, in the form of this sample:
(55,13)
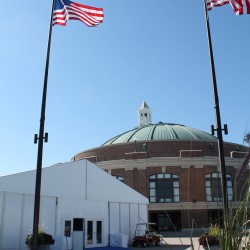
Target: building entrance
(94,233)
(215,217)
(166,220)
(84,233)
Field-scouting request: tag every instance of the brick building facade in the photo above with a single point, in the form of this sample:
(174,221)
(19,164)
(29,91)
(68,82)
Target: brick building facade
(176,167)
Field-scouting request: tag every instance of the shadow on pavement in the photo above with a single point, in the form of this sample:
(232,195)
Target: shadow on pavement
(162,247)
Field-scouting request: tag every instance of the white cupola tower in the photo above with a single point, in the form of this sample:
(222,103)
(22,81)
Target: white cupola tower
(144,115)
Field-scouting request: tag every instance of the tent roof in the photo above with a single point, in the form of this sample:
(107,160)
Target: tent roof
(79,179)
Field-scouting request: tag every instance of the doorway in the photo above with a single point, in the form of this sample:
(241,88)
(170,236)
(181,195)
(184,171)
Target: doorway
(94,229)
(78,234)
(166,221)
(215,217)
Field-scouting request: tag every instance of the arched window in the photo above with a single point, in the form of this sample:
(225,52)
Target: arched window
(213,187)
(120,178)
(164,188)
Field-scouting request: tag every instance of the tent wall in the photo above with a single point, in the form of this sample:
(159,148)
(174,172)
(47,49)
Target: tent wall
(72,192)
(125,217)
(16,217)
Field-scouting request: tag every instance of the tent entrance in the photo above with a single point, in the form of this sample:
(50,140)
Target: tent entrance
(78,234)
(94,229)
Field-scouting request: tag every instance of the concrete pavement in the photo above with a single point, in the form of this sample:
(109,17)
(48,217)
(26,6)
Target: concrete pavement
(175,243)
(180,243)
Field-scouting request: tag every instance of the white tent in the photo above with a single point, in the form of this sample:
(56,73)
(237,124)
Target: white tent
(81,206)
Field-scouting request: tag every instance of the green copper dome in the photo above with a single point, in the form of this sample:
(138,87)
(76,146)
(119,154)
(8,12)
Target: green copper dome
(162,131)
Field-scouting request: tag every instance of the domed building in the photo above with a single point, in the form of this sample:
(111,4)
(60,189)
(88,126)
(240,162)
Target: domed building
(176,167)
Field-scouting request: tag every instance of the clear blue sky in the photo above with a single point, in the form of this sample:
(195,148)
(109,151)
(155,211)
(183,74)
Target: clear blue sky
(152,50)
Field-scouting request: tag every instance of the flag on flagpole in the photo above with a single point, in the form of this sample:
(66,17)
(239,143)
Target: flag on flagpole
(215,3)
(236,5)
(240,7)
(65,10)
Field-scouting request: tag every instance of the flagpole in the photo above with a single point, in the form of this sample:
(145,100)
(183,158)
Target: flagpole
(218,119)
(40,143)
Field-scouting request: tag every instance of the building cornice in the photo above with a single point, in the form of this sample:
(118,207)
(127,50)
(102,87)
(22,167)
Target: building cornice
(188,206)
(183,162)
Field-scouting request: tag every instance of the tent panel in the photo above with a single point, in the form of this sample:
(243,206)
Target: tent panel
(114,218)
(94,208)
(124,208)
(20,182)
(143,213)
(64,180)
(78,179)
(28,216)
(48,214)
(136,216)
(103,186)
(12,221)
(1,215)
(71,208)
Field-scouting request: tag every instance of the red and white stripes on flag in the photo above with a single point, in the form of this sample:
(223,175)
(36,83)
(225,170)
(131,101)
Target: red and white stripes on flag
(240,7)
(65,10)
(215,3)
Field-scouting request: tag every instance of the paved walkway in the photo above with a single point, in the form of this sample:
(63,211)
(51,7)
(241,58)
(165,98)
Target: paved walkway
(174,243)
(181,243)
(169,243)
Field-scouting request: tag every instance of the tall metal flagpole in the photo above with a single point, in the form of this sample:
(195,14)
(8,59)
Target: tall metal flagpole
(218,119)
(40,143)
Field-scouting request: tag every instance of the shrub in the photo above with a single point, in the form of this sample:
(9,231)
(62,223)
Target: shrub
(208,240)
(43,238)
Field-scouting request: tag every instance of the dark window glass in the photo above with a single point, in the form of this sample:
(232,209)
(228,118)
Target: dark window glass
(164,188)
(213,187)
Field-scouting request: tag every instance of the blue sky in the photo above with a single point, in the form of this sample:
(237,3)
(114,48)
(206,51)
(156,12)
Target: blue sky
(99,77)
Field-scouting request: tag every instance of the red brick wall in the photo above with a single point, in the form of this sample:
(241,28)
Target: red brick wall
(160,149)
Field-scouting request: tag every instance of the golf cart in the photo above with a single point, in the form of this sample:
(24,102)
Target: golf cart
(145,235)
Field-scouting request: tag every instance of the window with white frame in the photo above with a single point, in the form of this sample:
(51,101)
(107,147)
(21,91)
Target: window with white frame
(213,187)
(164,188)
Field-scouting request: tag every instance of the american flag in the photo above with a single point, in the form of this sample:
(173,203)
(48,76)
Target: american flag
(215,3)
(240,7)
(65,10)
